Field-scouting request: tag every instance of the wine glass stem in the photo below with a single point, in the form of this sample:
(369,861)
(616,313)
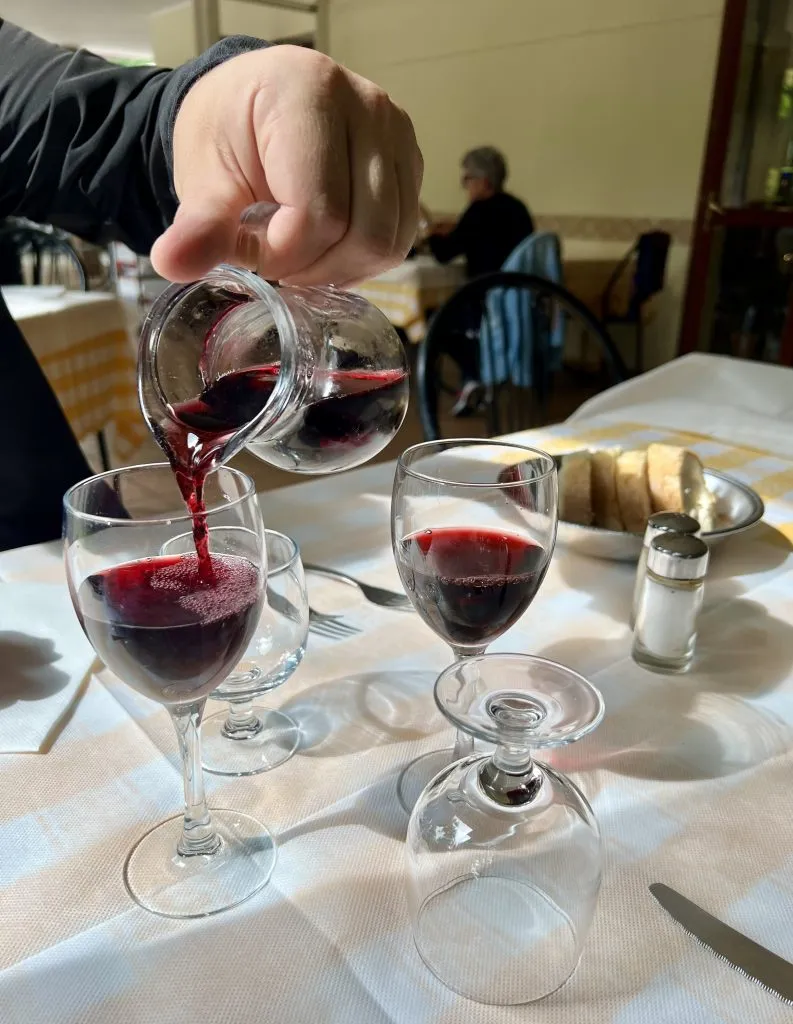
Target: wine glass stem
(242,722)
(464,741)
(511,778)
(463,745)
(198,836)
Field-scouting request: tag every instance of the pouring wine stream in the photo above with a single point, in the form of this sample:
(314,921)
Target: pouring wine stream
(312,380)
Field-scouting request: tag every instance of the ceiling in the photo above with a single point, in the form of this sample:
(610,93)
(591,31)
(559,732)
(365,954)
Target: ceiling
(117,27)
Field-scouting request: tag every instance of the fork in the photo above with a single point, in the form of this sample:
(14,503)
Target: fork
(377,595)
(332,627)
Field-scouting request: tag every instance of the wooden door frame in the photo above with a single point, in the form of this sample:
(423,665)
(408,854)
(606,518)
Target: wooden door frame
(709,213)
(725,87)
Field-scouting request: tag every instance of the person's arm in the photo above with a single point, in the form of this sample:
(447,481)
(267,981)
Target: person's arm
(446,246)
(87,145)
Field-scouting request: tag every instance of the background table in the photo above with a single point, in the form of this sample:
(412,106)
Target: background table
(407,293)
(689,777)
(410,291)
(81,344)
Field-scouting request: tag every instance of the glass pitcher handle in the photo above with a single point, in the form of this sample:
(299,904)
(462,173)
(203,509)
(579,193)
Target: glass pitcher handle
(254,221)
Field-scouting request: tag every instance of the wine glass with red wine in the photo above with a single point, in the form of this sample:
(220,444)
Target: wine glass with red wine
(173,626)
(473,526)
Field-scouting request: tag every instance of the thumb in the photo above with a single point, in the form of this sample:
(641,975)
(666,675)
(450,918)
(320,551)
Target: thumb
(204,233)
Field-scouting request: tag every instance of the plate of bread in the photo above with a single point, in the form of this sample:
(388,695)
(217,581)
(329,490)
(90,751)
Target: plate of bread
(607,495)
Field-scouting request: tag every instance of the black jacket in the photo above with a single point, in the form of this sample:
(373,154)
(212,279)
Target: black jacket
(84,145)
(486,234)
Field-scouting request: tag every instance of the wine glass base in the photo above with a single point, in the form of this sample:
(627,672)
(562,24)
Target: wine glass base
(274,743)
(531,948)
(162,881)
(419,773)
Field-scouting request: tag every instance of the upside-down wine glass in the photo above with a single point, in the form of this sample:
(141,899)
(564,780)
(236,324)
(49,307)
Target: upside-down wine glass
(473,526)
(247,738)
(172,627)
(504,855)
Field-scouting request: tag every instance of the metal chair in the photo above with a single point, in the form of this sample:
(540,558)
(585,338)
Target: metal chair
(509,405)
(47,251)
(649,255)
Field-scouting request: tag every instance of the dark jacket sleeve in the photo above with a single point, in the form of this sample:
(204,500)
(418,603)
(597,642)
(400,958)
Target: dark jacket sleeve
(446,247)
(85,144)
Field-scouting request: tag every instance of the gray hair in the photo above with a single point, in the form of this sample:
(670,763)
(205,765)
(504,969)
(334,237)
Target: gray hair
(488,163)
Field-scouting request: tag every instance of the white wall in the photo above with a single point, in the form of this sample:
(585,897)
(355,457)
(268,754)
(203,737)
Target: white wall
(600,105)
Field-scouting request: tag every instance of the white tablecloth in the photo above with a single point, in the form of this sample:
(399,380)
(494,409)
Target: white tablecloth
(690,778)
(747,403)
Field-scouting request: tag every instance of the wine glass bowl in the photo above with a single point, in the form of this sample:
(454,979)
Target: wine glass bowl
(473,527)
(173,626)
(471,546)
(247,738)
(503,853)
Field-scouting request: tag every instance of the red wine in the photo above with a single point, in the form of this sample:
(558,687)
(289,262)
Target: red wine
(354,410)
(470,584)
(168,630)
(357,412)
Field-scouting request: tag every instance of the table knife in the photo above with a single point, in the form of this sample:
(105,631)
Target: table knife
(751,959)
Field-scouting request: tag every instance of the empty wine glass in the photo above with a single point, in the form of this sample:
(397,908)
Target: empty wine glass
(247,738)
(173,626)
(504,855)
(473,526)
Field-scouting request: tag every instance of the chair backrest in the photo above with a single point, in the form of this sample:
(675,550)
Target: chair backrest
(47,253)
(512,318)
(652,250)
(547,302)
(10,261)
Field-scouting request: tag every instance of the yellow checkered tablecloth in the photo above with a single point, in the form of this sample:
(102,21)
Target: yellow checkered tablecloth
(407,293)
(82,346)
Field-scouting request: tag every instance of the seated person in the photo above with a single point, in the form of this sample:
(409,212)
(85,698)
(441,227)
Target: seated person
(493,224)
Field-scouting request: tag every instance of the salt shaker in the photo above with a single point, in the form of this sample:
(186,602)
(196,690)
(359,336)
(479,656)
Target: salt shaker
(660,522)
(669,602)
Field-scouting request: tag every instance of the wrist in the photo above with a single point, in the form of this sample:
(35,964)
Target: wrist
(185,77)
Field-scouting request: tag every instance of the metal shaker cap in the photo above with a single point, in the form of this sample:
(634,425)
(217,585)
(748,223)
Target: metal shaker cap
(669,522)
(676,556)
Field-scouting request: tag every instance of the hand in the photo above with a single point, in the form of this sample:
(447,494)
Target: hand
(424,225)
(287,125)
(443,227)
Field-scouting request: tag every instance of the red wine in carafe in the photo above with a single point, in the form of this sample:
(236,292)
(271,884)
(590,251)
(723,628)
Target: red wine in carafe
(352,414)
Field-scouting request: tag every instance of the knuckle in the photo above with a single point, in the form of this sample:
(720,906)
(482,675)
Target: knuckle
(380,103)
(331,222)
(380,245)
(331,76)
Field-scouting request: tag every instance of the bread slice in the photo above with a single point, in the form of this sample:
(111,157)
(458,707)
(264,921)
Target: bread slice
(633,494)
(575,488)
(604,489)
(677,483)
(705,512)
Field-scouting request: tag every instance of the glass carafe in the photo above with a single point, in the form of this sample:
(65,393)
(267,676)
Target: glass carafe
(312,380)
